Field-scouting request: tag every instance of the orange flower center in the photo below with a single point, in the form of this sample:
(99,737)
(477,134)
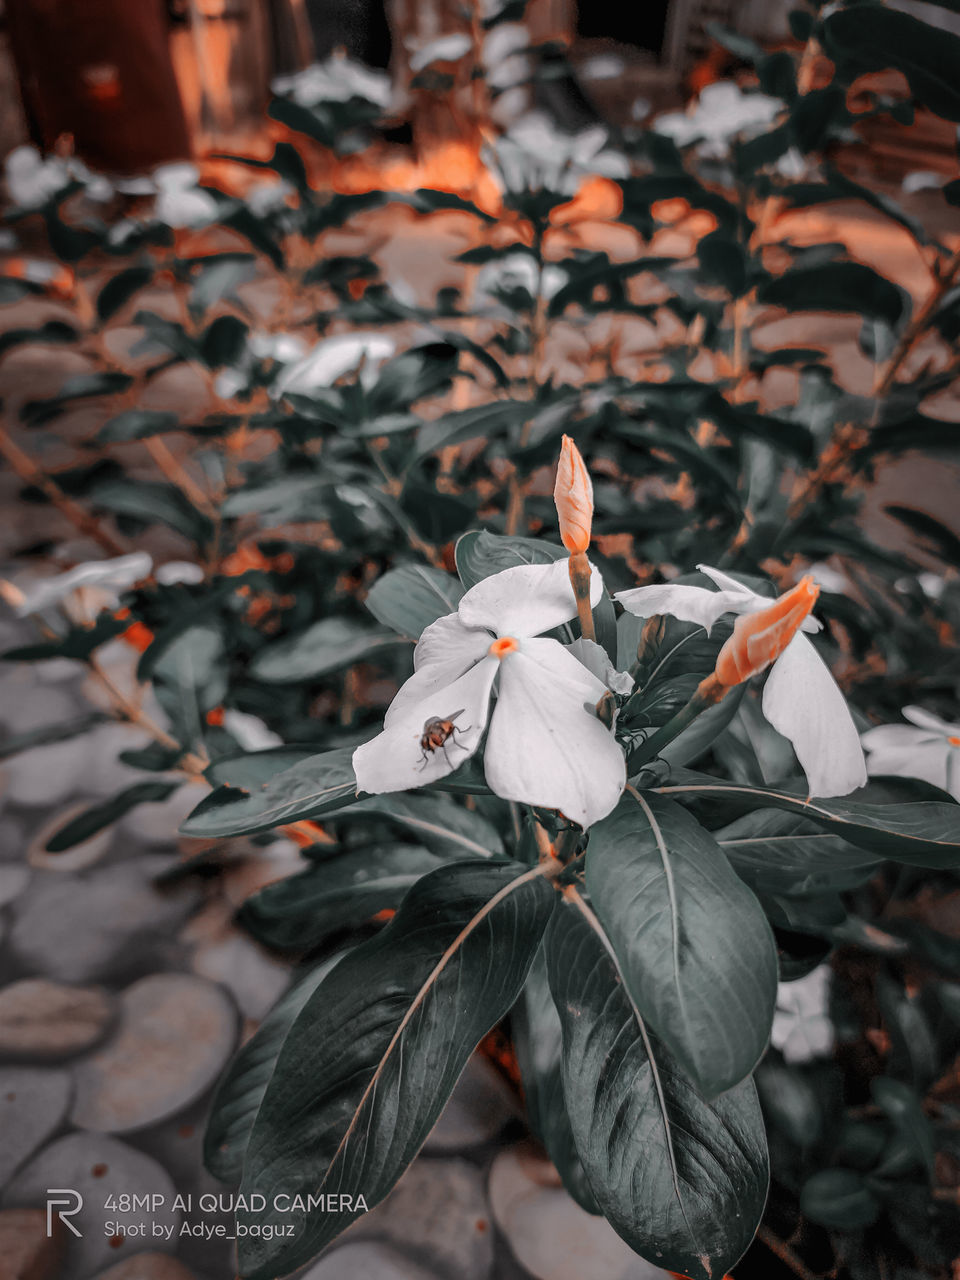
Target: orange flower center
(954,742)
(506,644)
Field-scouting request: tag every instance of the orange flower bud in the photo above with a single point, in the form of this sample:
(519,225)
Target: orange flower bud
(759,638)
(573,495)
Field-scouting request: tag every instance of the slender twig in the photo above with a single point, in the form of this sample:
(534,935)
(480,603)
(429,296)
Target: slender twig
(918,325)
(177,475)
(31,473)
(786,1255)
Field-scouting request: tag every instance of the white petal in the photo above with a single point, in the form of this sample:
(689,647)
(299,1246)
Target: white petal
(544,747)
(444,652)
(112,575)
(927,720)
(395,761)
(928,762)
(752,601)
(902,738)
(802,701)
(594,658)
(526,600)
(689,604)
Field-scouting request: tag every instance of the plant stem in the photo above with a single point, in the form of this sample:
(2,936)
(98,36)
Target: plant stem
(31,473)
(786,1255)
(177,474)
(918,325)
(709,692)
(189,763)
(580,581)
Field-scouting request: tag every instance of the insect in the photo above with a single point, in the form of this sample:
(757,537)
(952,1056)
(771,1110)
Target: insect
(437,733)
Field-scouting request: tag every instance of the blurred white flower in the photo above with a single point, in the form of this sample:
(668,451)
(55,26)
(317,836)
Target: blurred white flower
(282,347)
(110,576)
(337,80)
(175,571)
(534,153)
(932,585)
(448,48)
(179,202)
(33,179)
(505,57)
(926,748)
(518,271)
(829,578)
(544,744)
(723,112)
(250,731)
(332,358)
(800,697)
(604,66)
(267,197)
(229,383)
(802,1029)
(921,180)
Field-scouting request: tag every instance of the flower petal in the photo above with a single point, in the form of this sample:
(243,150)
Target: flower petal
(902,738)
(545,746)
(445,650)
(689,604)
(927,720)
(395,761)
(526,600)
(802,701)
(752,600)
(927,761)
(594,658)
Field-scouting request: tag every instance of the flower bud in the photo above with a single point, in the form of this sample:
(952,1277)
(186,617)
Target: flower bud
(573,495)
(759,638)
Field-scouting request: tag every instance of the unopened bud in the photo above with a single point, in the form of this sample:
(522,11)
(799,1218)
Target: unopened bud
(573,495)
(759,638)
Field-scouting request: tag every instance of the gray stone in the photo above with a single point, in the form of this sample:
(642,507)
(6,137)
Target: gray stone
(174,1037)
(14,878)
(80,927)
(33,1104)
(255,979)
(46,1021)
(367,1262)
(479,1107)
(101,1170)
(438,1214)
(547,1230)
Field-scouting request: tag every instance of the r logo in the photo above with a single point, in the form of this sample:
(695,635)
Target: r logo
(71,1202)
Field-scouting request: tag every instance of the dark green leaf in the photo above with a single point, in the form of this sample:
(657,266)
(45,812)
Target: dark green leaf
(409,598)
(837,286)
(374,1054)
(136,424)
(316,785)
(120,288)
(98,816)
(682,1180)
(839,1198)
(326,646)
(692,943)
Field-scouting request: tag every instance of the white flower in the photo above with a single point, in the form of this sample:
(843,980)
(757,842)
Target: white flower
(109,576)
(535,154)
(337,80)
(545,745)
(927,748)
(802,1029)
(830,579)
(175,571)
(267,197)
(179,202)
(33,179)
(250,731)
(444,49)
(519,271)
(722,113)
(332,358)
(800,697)
(282,347)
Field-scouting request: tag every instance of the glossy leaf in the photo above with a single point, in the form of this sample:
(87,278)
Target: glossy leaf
(312,787)
(682,1180)
(241,1089)
(836,286)
(409,598)
(102,815)
(692,942)
(779,853)
(326,646)
(120,288)
(371,1060)
(925,834)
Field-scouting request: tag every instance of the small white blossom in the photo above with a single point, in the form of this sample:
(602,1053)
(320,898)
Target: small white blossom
(926,748)
(544,743)
(338,79)
(334,357)
(33,179)
(175,571)
(535,154)
(518,271)
(723,112)
(109,576)
(800,697)
(180,203)
(802,1028)
(449,48)
(250,731)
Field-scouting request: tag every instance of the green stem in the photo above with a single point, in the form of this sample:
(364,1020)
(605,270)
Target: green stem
(709,692)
